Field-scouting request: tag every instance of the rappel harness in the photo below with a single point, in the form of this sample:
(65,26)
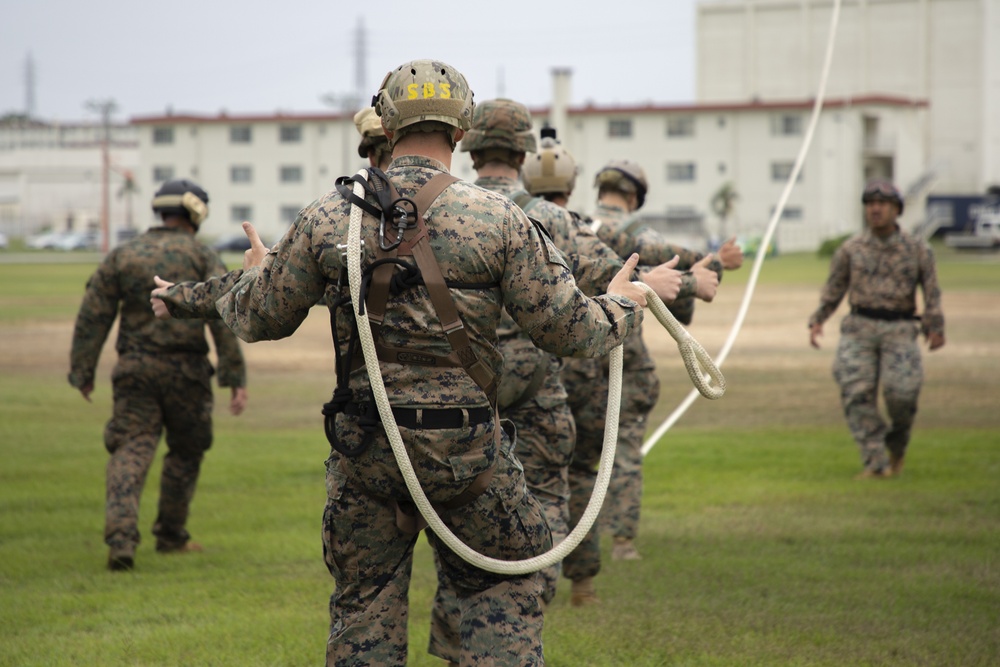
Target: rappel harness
(696,360)
(402,234)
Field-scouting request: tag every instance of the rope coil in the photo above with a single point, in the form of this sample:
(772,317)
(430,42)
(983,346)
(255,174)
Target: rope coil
(695,359)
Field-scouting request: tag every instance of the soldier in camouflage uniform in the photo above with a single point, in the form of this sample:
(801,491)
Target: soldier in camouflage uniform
(531,392)
(374,145)
(162,378)
(490,257)
(623,192)
(879,270)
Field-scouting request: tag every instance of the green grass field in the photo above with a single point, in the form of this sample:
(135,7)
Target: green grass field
(758,546)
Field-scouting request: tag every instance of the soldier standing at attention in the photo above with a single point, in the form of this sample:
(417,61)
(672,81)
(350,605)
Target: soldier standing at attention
(162,380)
(879,270)
(457,256)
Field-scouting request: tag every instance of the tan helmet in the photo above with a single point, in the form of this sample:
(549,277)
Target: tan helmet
(626,176)
(551,169)
(500,124)
(424,90)
(370,128)
(183,198)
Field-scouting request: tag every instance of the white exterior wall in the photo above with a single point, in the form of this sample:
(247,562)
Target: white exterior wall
(50,177)
(945,51)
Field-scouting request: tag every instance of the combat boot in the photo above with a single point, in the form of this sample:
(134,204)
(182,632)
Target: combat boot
(187,547)
(868,473)
(623,549)
(582,593)
(896,463)
(121,559)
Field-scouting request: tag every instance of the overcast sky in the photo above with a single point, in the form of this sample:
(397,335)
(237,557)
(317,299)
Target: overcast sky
(261,57)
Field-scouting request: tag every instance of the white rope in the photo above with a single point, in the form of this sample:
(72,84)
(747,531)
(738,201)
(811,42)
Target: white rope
(694,355)
(766,241)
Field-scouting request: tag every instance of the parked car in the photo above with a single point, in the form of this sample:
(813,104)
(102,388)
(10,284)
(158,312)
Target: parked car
(76,241)
(233,243)
(4,241)
(43,240)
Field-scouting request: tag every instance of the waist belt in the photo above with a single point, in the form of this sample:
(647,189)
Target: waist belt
(884,314)
(432,418)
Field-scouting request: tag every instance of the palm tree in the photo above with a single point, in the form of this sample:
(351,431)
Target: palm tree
(723,204)
(127,190)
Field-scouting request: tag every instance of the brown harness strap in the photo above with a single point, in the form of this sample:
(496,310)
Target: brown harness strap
(416,242)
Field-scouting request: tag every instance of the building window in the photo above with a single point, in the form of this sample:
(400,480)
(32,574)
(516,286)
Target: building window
(240,212)
(162,173)
(289,214)
(790,213)
(620,127)
(780,171)
(241,174)
(786,125)
(290,134)
(240,134)
(163,135)
(681,171)
(291,174)
(680,126)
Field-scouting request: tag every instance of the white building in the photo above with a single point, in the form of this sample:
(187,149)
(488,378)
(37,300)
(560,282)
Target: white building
(51,176)
(914,95)
(946,52)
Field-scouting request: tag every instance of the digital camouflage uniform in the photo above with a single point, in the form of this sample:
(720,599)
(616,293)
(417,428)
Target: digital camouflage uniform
(479,238)
(587,385)
(161,380)
(881,276)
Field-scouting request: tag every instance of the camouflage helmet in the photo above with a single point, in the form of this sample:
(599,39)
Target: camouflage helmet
(551,170)
(502,124)
(424,90)
(626,176)
(183,198)
(882,190)
(370,128)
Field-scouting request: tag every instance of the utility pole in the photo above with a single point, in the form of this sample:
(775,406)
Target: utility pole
(105,108)
(349,103)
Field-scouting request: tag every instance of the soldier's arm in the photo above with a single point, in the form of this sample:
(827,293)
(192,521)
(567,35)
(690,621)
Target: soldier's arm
(93,323)
(543,298)
(932,319)
(835,288)
(232,367)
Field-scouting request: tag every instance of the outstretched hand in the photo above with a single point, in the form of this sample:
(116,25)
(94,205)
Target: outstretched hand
(665,280)
(707,280)
(160,309)
(255,255)
(731,255)
(622,284)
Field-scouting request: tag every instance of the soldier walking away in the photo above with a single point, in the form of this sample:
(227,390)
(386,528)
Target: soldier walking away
(880,270)
(442,260)
(162,379)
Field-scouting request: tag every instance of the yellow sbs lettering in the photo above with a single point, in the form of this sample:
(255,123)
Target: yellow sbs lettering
(445,91)
(428,89)
(411,91)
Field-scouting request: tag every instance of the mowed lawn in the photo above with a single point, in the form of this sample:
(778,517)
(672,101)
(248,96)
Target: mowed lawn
(758,546)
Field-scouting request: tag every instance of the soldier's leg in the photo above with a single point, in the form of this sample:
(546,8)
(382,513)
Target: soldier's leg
(187,409)
(902,376)
(546,436)
(586,384)
(856,370)
(370,560)
(501,622)
(446,620)
(640,391)
(131,437)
